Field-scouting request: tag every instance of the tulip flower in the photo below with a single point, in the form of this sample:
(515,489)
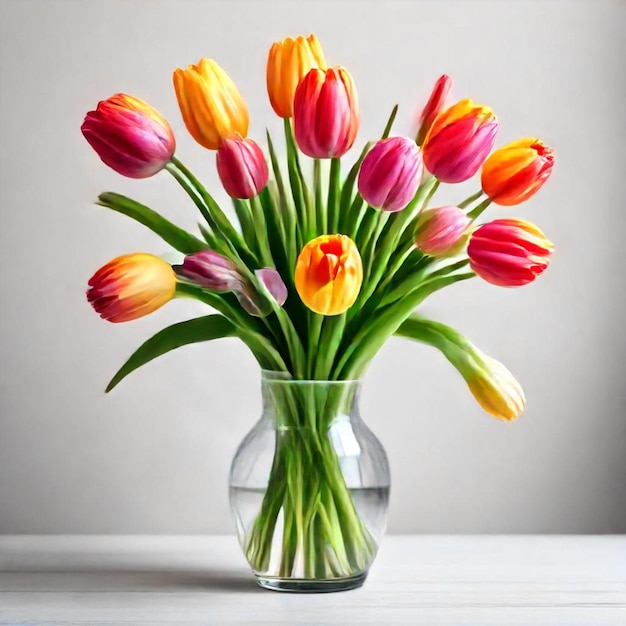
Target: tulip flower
(131,286)
(212,271)
(493,386)
(434,107)
(218,273)
(288,62)
(242,167)
(329,273)
(442,230)
(210,104)
(326,113)
(459,141)
(129,136)
(391,173)
(517,171)
(509,252)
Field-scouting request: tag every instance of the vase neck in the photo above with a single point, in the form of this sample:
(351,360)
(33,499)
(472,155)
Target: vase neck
(309,403)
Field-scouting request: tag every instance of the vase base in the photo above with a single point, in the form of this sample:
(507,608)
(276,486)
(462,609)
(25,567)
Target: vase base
(307,585)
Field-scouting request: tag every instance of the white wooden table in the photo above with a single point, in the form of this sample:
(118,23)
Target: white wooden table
(481,580)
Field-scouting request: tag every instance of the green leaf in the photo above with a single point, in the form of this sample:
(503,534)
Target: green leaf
(191,331)
(178,238)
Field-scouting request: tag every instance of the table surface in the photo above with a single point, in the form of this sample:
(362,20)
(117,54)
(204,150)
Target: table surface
(482,580)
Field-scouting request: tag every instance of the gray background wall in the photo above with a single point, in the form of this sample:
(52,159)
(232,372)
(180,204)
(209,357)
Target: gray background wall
(153,456)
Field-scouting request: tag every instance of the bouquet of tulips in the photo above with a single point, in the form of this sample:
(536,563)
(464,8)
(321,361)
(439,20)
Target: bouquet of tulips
(323,265)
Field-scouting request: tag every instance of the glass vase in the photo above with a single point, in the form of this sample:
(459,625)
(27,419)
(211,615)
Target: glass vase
(309,487)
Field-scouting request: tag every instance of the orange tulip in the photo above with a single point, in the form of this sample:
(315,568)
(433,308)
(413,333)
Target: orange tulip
(329,274)
(517,171)
(131,286)
(288,62)
(211,106)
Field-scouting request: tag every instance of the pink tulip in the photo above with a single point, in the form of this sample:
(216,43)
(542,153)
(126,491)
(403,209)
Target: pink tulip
(129,136)
(218,273)
(434,106)
(509,252)
(390,173)
(242,167)
(441,231)
(326,113)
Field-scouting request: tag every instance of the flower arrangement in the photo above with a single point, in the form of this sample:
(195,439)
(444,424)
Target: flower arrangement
(323,266)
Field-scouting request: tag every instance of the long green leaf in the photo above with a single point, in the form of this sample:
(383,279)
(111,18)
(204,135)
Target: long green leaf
(178,238)
(181,334)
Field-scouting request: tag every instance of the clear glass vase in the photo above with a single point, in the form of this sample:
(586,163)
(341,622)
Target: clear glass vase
(309,487)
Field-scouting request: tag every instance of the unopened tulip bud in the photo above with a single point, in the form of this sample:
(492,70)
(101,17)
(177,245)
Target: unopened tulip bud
(242,167)
(493,386)
(218,273)
(442,230)
(517,171)
(391,173)
(509,252)
(129,136)
(212,271)
(435,105)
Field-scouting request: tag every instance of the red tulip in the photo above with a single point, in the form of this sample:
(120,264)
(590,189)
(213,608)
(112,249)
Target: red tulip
(459,141)
(434,107)
(509,252)
(326,113)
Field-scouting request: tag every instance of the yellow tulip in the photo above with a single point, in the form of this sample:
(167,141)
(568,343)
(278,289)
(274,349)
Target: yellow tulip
(210,103)
(494,387)
(329,273)
(288,62)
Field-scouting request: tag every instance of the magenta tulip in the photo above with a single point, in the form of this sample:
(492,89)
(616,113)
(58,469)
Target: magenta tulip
(390,173)
(129,136)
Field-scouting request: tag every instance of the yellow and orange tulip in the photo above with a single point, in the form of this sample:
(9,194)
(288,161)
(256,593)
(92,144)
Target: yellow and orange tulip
(517,171)
(131,286)
(288,62)
(329,273)
(210,103)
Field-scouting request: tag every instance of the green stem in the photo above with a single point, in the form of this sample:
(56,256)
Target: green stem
(320,209)
(333,195)
(470,199)
(260,229)
(477,211)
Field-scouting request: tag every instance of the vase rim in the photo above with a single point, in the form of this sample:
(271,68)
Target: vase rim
(278,377)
